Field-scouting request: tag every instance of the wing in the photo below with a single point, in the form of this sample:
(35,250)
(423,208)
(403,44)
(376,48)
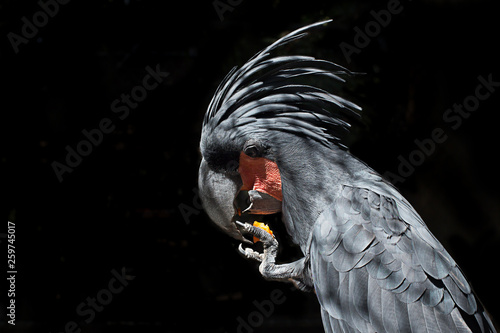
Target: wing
(376,271)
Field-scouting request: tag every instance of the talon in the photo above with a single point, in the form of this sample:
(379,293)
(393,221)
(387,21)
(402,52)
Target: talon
(243,225)
(250,254)
(260,231)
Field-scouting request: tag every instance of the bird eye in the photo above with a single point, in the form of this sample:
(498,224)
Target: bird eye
(251,151)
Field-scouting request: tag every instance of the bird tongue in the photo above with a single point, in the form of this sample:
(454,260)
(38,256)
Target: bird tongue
(260,174)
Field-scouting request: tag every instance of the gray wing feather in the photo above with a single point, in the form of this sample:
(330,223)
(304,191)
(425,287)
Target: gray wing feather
(377,268)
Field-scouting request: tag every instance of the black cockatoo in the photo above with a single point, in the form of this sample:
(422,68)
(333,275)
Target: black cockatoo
(371,260)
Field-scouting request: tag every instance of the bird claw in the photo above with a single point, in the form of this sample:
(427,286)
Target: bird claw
(267,239)
(270,243)
(291,272)
(250,254)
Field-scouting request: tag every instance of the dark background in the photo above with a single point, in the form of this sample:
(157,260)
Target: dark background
(121,206)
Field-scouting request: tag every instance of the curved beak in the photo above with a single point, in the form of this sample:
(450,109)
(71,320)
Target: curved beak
(218,192)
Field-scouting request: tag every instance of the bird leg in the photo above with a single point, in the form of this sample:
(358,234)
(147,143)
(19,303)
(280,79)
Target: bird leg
(296,272)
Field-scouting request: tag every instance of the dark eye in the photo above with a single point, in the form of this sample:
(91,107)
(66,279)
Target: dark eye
(251,151)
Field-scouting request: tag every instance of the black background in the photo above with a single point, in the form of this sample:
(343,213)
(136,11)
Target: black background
(120,207)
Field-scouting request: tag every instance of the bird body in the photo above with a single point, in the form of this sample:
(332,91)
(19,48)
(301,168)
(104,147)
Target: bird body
(371,260)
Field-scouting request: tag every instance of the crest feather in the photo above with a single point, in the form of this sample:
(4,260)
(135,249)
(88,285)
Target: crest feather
(263,95)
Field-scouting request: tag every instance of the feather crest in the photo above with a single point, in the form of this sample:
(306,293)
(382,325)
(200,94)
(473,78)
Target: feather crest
(263,88)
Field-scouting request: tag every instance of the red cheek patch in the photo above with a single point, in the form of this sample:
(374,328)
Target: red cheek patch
(260,174)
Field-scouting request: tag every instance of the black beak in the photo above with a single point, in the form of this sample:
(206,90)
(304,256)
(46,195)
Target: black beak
(218,192)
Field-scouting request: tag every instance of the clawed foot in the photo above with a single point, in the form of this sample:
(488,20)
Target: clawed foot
(263,235)
(250,253)
(270,243)
(292,272)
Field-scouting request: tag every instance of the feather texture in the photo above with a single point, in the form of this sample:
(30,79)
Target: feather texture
(265,87)
(389,273)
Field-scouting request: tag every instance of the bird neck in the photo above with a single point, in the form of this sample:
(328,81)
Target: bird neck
(311,177)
